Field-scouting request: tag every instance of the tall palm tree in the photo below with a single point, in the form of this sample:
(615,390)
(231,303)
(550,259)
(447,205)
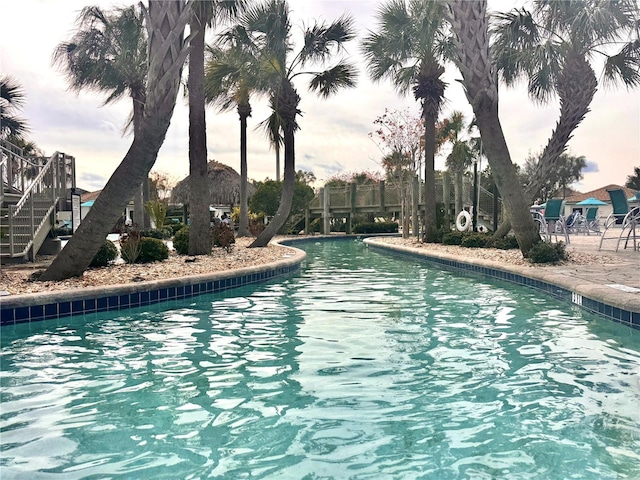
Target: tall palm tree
(553,47)
(203,14)
(165,23)
(410,47)
(462,153)
(471,25)
(265,31)
(230,79)
(108,54)
(11,99)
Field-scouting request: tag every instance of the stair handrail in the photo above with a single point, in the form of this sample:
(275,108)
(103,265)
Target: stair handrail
(38,186)
(14,179)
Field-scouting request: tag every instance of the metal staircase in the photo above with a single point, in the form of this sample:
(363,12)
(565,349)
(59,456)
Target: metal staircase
(33,189)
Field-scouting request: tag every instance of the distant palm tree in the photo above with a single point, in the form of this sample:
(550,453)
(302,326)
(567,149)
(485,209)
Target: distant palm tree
(230,79)
(553,47)
(470,23)
(410,47)
(108,54)
(166,22)
(462,152)
(11,99)
(204,13)
(265,31)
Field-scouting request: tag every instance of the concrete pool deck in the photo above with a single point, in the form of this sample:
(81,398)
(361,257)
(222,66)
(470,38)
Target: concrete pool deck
(609,286)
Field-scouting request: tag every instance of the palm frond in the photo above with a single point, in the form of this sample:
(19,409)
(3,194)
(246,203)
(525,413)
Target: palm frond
(328,82)
(322,40)
(405,77)
(11,93)
(624,66)
(407,34)
(107,53)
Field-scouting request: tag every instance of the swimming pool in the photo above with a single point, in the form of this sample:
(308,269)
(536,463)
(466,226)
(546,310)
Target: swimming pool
(362,365)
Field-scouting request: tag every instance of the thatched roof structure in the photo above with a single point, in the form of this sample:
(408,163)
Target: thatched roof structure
(224,186)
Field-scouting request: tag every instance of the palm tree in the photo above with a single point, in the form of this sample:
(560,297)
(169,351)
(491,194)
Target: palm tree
(203,13)
(265,31)
(11,99)
(470,24)
(462,152)
(108,54)
(167,52)
(409,49)
(551,48)
(230,79)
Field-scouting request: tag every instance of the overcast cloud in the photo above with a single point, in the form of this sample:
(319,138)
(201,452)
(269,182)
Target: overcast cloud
(333,133)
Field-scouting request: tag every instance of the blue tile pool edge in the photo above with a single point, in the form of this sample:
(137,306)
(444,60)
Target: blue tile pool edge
(65,303)
(593,305)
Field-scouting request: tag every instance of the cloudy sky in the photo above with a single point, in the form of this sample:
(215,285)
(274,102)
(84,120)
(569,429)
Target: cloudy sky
(333,134)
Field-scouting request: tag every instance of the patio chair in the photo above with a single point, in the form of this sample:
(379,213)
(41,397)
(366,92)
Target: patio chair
(588,223)
(552,223)
(622,222)
(593,223)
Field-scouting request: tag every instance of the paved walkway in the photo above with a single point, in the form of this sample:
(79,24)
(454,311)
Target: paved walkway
(623,270)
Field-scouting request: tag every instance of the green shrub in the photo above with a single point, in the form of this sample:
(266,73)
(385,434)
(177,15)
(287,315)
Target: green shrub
(376,227)
(107,253)
(152,250)
(543,252)
(159,233)
(440,233)
(174,227)
(474,240)
(181,241)
(454,237)
(508,242)
(223,236)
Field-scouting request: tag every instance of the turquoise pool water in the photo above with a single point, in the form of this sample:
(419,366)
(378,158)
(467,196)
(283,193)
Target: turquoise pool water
(361,366)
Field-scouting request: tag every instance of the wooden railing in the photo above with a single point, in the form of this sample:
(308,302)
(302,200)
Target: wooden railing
(40,187)
(384,197)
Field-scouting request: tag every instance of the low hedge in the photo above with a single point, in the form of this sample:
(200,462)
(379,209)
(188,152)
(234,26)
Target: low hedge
(107,253)
(376,227)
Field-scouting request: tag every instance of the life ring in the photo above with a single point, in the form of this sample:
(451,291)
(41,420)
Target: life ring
(463,222)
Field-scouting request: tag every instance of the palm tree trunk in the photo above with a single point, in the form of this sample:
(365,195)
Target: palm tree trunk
(199,228)
(458,186)
(167,53)
(140,216)
(244,111)
(576,88)
(288,186)
(430,219)
(470,24)
(277,148)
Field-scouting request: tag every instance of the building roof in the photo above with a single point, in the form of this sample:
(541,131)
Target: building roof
(90,196)
(600,194)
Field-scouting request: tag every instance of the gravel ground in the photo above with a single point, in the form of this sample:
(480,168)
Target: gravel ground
(577,256)
(18,279)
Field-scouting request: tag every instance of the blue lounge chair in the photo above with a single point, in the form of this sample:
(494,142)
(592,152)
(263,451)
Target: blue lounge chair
(623,222)
(552,223)
(592,224)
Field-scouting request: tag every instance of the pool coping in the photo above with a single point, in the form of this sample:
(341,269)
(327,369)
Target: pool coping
(66,303)
(617,306)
